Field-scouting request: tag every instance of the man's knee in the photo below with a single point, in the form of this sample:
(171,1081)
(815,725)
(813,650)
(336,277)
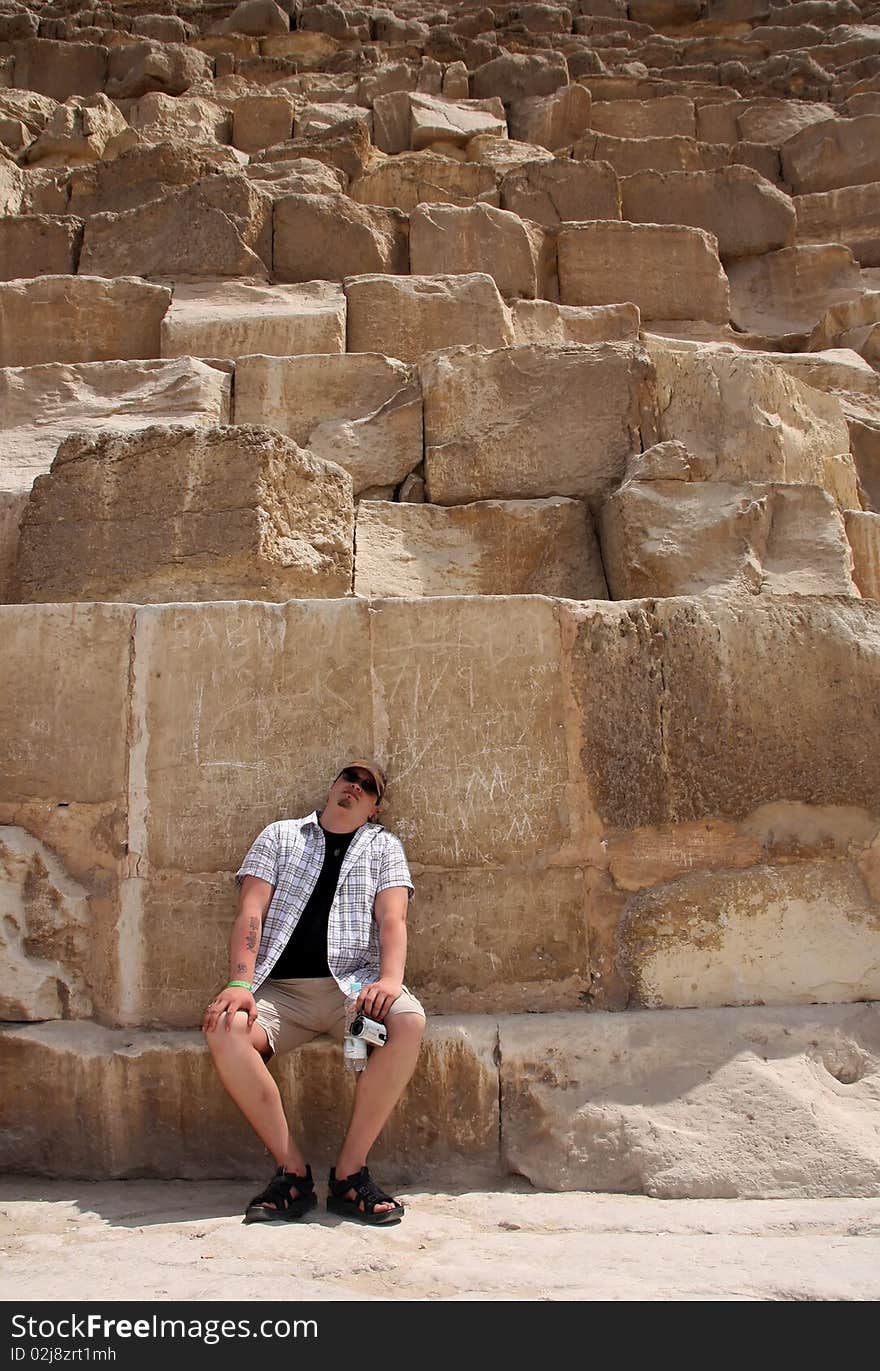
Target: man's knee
(221,1037)
(409,1028)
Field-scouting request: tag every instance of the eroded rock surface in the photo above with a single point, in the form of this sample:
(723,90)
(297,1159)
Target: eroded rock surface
(41,405)
(776,1085)
(504,275)
(186,514)
(515,547)
(361,410)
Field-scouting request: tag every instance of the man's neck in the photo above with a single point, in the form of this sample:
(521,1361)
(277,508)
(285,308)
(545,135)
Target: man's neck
(339,823)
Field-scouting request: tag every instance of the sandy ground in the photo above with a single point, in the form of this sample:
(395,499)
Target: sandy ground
(142,1240)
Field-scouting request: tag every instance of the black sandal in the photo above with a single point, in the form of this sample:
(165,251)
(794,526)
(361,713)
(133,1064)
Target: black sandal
(279,1192)
(367,1192)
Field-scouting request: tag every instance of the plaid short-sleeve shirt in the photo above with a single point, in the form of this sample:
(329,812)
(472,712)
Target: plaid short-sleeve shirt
(289,855)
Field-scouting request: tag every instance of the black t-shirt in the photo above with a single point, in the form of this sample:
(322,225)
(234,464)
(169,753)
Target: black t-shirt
(306,952)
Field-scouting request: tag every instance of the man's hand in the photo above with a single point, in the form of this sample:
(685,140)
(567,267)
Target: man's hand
(376,999)
(229,1001)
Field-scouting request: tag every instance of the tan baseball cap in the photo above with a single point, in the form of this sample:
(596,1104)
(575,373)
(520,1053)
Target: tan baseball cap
(375,771)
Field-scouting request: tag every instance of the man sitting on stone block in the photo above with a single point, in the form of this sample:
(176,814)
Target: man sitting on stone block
(322,909)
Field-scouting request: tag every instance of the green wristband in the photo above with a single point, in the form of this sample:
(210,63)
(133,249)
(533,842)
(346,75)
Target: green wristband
(245,985)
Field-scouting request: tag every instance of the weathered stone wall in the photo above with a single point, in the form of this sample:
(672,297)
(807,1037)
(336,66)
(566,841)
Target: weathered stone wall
(493,390)
(663,842)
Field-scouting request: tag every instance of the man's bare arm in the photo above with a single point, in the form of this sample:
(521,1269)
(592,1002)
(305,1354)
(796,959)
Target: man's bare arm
(389,912)
(254,898)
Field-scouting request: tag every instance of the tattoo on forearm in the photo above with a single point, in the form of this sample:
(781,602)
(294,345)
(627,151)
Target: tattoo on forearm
(252,941)
(240,969)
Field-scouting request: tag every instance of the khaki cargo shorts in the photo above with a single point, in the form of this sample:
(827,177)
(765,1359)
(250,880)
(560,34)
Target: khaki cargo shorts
(293,1012)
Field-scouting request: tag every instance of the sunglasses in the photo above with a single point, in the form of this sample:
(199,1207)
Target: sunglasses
(366,783)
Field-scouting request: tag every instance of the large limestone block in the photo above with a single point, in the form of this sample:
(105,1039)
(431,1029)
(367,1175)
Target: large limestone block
(669,272)
(850,216)
(775,121)
(359,410)
(11,505)
(236,318)
(43,758)
(146,172)
(530,422)
(298,672)
(203,903)
(504,155)
(348,23)
(60,69)
(838,152)
(545,18)
(329,237)
(407,316)
(79,319)
(436,694)
(346,147)
(302,176)
(766,121)
(629,155)
(551,193)
(39,245)
(122,1103)
(717,119)
(44,939)
(542,321)
(391,121)
(836,370)
(745,212)
(863,532)
(786,292)
(800,934)
(551,121)
(222,226)
(435,119)
(751,1103)
(663,117)
(519,938)
(841,323)
(743,419)
(173,68)
(524,946)
(27,108)
(14,135)
(167,28)
(493,547)
(864,432)
(415,178)
(388,76)
(84,129)
(180,119)
(515,75)
(186,514)
(866,341)
(255,17)
(516,253)
(300,50)
(11,187)
(40,406)
(325,117)
(259,121)
(674,537)
(716,689)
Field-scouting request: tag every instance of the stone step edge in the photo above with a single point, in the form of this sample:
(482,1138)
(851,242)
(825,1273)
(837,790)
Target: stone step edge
(98,1039)
(751,1102)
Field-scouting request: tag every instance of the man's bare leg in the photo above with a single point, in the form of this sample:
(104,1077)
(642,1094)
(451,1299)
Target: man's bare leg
(381,1084)
(240,1066)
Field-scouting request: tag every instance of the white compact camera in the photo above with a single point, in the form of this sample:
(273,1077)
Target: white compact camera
(368,1030)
